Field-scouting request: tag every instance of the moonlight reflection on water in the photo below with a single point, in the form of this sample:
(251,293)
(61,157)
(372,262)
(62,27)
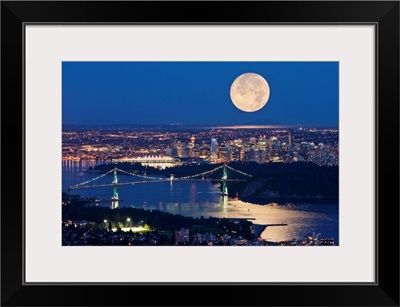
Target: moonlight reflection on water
(199,198)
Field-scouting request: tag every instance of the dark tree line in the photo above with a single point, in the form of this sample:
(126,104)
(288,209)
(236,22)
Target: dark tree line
(289,180)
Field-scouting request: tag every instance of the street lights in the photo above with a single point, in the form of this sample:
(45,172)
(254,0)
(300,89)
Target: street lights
(128,222)
(106,222)
(142,224)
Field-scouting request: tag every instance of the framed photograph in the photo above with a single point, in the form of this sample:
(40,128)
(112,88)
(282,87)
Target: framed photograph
(244,153)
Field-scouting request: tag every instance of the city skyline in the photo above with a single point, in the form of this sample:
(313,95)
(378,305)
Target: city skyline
(196,93)
(200,154)
(254,185)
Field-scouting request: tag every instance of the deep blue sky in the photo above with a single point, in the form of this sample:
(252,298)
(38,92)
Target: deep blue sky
(302,93)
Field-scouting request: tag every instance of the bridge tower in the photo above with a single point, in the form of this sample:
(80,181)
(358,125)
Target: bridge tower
(224,183)
(114,198)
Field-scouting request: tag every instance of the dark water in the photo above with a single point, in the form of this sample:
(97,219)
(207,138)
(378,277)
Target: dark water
(202,198)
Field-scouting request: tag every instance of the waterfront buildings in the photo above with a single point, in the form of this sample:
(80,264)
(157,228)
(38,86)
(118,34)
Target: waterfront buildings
(162,148)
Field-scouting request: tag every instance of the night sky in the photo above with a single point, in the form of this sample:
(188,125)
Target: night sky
(197,93)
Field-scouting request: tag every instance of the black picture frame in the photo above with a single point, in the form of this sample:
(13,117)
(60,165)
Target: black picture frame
(383,14)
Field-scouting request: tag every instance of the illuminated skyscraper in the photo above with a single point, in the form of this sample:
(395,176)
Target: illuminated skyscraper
(228,153)
(224,153)
(191,144)
(238,142)
(214,149)
(179,148)
(290,137)
(262,143)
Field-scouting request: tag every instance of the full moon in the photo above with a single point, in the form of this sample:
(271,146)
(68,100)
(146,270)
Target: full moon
(249,92)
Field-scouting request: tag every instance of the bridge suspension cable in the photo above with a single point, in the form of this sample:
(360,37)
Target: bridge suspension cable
(200,174)
(93,179)
(240,172)
(136,175)
(159,179)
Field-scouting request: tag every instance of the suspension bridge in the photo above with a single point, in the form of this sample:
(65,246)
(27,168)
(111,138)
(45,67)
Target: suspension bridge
(203,176)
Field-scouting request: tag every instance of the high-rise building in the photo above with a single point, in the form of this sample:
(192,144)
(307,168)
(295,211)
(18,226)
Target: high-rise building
(228,153)
(222,153)
(191,143)
(262,143)
(238,142)
(290,137)
(241,157)
(236,153)
(191,146)
(251,155)
(179,148)
(214,149)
